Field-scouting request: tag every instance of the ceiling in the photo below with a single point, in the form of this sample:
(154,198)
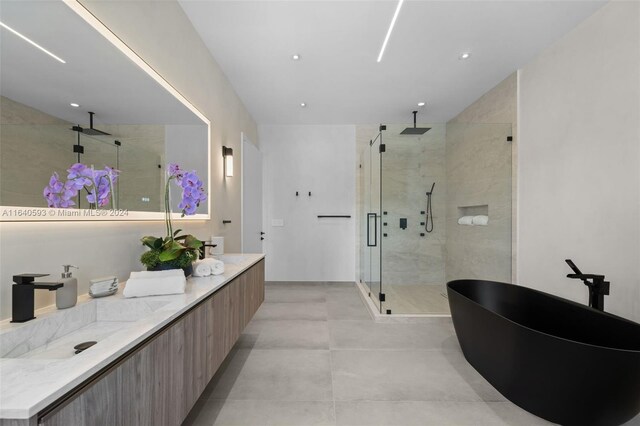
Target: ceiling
(96,75)
(339,41)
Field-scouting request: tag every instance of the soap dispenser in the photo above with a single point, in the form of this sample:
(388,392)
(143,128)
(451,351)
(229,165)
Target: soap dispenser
(67,295)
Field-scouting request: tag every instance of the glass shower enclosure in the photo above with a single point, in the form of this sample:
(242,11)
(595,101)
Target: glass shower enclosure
(371,227)
(419,197)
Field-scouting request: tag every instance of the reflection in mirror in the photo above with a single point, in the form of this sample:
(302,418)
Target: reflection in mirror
(137,128)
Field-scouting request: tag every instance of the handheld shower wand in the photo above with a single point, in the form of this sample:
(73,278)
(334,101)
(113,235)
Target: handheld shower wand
(429,211)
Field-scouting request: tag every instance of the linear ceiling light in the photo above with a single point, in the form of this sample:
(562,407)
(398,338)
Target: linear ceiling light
(393,22)
(33,43)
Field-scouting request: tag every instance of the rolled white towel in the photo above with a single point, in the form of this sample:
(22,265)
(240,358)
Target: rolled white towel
(465,220)
(217,266)
(481,220)
(201,268)
(154,283)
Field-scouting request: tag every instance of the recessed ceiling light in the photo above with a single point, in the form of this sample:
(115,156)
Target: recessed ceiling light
(33,43)
(420,104)
(75,105)
(303,105)
(295,57)
(393,23)
(464,55)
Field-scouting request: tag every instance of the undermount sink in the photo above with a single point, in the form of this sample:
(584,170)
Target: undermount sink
(54,335)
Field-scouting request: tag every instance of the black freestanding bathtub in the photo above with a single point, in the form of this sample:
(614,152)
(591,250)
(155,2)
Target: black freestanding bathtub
(565,362)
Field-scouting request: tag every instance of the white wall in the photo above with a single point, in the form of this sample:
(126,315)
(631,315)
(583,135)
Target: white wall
(579,160)
(160,32)
(319,159)
(162,35)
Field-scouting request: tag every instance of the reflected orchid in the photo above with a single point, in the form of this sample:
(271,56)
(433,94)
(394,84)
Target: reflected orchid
(98,183)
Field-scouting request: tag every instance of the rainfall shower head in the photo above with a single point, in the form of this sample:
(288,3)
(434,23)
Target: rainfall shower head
(415,130)
(91,131)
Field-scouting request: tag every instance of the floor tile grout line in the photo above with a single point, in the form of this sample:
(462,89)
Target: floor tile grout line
(340,401)
(270,400)
(392,351)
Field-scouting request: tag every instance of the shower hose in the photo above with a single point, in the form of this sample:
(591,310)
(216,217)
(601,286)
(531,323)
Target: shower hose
(428,223)
(429,212)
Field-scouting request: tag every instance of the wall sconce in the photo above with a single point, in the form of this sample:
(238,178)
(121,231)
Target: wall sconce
(227,154)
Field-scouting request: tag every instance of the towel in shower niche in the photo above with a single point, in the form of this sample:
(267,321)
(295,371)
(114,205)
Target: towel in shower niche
(465,220)
(481,220)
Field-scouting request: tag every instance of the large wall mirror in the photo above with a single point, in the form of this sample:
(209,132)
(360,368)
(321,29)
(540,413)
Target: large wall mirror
(72,93)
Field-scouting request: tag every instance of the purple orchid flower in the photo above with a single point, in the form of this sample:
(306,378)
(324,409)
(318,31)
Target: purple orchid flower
(98,183)
(192,188)
(174,169)
(53,190)
(190,180)
(175,172)
(55,183)
(76,170)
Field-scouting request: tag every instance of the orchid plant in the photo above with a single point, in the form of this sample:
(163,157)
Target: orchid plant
(99,184)
(176,251)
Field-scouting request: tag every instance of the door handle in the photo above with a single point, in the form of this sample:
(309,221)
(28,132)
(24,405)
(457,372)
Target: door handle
(261,233)
(375,233)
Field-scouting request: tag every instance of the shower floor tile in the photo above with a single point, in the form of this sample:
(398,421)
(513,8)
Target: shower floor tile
(416,299)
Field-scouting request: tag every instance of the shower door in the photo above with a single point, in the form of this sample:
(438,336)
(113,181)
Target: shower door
(372,223)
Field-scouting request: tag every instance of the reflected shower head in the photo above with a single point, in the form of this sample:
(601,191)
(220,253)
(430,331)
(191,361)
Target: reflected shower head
(415,130)
(95,132)
(91,131)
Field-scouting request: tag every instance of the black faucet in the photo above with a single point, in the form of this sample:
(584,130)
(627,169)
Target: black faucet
(203,253)
(598,287)
(22,295)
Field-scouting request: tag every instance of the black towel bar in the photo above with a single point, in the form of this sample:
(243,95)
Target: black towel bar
(346,216)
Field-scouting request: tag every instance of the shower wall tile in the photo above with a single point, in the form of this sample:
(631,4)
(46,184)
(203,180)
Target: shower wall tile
(479,163)
(411,164)
(471,162)
(23,131)
(26,130)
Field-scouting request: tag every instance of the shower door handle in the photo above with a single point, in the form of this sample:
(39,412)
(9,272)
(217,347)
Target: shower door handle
(375,232)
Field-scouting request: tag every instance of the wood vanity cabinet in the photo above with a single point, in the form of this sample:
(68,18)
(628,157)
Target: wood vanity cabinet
(158,382)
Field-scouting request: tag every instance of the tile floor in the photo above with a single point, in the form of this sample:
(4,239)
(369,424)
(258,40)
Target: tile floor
(313,356)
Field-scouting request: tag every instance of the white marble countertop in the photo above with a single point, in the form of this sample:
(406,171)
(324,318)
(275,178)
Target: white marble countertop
(30,384)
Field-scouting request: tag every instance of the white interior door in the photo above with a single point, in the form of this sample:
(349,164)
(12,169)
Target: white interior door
(252,233)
